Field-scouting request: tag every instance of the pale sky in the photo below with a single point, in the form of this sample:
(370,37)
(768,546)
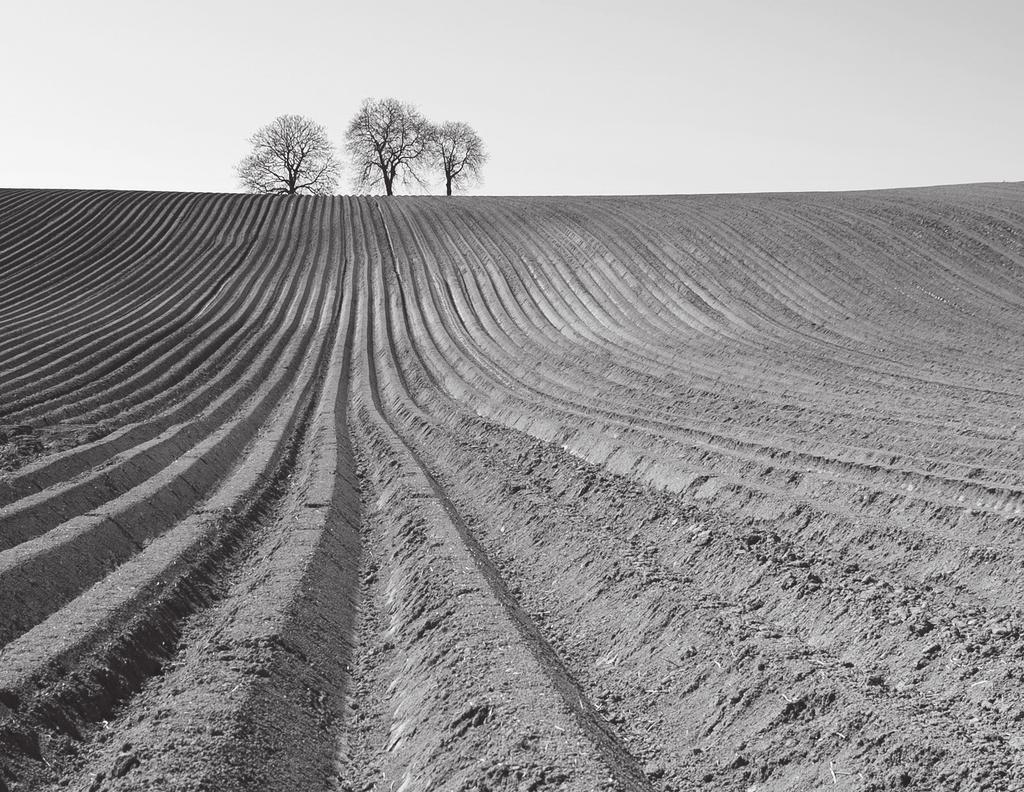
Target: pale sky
(625,97)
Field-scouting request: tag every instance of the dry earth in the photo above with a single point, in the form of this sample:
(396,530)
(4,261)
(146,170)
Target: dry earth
(710,492)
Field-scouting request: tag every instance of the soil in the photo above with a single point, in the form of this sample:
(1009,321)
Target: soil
(652,493)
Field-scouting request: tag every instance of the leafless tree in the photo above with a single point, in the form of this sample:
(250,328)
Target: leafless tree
(458,150)
(290,155)
(388,140)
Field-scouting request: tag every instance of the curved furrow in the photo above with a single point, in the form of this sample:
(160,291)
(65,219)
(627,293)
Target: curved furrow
(920,237)
(787,440)
(146,498)
(799,461)
(156,329)
(243,349)
(523,673)
(242,321)
(43,245)
(57,326)
(103,235)
(628,656)
(247,589)
(225,321)
(875,236)
(132,295)
(112,477)
(742,250)
(591,589)
(871,502)
(29,220)
(119,239)
(651,493)
(159,356)
(261,333)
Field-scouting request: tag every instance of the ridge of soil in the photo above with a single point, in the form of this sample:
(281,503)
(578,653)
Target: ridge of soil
(640,493)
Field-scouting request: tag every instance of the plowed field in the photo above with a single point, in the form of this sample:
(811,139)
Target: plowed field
(661,493)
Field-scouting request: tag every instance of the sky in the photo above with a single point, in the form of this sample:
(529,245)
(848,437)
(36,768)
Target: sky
(623,97)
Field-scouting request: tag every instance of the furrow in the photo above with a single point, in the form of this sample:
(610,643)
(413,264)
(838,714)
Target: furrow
(432,524)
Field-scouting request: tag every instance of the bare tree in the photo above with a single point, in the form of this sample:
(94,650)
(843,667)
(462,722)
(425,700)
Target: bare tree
(388,141)
(459,151)
(290,155)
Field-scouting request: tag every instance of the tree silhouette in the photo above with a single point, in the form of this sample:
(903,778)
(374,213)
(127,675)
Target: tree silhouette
(290,155)
(387,140)
(458,151)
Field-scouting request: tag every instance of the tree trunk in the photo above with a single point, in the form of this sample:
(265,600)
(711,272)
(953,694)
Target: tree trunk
(448,185)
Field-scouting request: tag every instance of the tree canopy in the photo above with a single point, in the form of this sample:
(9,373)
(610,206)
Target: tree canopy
(387,140)
(290,155)
(458,151)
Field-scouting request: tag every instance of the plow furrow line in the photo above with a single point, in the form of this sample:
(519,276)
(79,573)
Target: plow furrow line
(138,343)
(255,587)
(734,454)
(104,276)
(31,584)
(498,620)
(252,363)
(650,493)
